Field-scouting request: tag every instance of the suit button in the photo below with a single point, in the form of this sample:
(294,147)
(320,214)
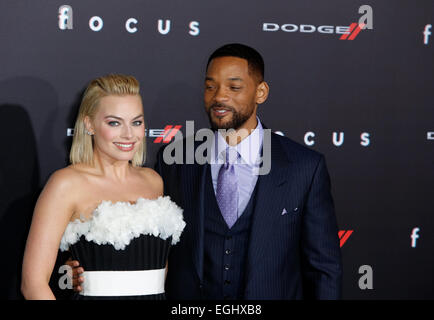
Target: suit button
(226,267)
(227,282)
(228,251)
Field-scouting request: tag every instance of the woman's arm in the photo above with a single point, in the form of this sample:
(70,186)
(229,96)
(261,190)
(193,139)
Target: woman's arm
(53,211)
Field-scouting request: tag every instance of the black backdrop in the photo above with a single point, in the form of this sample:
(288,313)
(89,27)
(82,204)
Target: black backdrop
(379,85)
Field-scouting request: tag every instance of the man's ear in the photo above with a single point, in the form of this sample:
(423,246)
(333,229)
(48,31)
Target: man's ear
(88,124)
(262,92)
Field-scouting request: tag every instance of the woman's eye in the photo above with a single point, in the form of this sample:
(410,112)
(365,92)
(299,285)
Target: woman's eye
(137,123)
(113,123)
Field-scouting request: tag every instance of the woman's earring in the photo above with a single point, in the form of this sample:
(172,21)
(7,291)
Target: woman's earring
(89,133)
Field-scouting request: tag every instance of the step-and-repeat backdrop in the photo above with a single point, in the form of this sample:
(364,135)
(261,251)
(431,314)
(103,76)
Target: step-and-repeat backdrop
(351,79)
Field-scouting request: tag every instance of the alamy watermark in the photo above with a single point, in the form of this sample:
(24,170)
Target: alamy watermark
(65,281)
(366,281)
(187,153)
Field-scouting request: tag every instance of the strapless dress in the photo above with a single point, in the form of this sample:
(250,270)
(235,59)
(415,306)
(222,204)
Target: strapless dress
(123,248)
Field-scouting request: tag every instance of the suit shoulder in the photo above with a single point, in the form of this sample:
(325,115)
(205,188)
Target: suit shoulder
(183,149)
(294,149)
(177,143)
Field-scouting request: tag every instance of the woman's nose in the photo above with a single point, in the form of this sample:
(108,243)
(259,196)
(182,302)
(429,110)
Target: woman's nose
(127,132)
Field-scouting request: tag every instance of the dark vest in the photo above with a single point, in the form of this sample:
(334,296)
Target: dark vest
(225,250)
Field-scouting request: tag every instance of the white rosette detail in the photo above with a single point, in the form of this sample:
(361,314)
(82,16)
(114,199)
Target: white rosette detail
(120,222)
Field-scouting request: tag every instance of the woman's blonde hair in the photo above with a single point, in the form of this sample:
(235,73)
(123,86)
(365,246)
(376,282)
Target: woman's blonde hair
(112,84)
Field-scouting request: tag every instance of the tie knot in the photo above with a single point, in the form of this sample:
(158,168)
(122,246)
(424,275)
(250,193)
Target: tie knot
(231,155)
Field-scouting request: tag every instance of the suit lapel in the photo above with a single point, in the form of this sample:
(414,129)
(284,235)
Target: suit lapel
(268,201)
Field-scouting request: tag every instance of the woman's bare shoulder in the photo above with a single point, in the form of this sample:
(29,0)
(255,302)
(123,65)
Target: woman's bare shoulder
(152,177)
(70,173)
(67,179)
(149,172)
(62,192)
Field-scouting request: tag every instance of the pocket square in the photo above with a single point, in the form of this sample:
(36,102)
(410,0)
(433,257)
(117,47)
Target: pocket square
(284,211)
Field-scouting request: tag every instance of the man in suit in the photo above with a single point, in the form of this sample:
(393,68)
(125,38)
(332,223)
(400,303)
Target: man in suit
(247,235)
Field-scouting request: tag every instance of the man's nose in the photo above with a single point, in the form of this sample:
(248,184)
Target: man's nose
(221,95)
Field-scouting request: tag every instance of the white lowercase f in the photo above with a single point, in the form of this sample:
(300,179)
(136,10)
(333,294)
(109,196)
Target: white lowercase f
(426,33)
(414,236)
(65,17)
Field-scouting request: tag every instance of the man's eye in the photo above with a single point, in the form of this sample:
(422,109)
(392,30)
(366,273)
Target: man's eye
(235,88)
(113,123)
(137,123)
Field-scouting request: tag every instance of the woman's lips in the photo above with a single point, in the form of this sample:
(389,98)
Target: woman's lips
(124,146)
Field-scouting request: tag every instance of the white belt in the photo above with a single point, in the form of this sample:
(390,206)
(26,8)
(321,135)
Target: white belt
(123,283)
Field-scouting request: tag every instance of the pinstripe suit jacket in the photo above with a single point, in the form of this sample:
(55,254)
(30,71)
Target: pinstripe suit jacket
(294,255)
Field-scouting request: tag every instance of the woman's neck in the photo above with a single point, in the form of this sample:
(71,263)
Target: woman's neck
(110,168)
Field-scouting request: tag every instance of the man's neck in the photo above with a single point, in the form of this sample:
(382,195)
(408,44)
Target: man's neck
(234,137)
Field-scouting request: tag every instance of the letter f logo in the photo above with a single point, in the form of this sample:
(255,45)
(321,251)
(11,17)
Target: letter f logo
(414,236)
(426,33)
(65,17)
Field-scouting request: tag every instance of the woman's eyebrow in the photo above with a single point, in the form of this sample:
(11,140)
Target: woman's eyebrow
(110,116)
(119,118)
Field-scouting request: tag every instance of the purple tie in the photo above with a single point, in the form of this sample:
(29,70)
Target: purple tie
(227,188)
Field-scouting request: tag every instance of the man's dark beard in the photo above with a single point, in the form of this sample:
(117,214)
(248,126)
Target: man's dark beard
(238,119)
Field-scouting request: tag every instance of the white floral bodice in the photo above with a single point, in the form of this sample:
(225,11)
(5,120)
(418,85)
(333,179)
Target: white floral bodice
(120,222)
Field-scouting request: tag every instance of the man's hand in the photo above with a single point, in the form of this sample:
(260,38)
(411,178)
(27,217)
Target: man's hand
(77,278)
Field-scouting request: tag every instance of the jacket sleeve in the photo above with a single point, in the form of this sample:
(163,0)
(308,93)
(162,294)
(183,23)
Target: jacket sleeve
(320,249)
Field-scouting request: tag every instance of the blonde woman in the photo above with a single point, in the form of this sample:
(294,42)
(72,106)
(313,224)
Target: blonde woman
(106,209)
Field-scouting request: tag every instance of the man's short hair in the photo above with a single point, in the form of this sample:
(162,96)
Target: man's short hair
(253,57)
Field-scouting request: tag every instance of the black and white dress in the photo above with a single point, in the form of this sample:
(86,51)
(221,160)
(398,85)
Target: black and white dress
(123,248)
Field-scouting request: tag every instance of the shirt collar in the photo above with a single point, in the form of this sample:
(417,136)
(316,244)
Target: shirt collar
(249,148)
